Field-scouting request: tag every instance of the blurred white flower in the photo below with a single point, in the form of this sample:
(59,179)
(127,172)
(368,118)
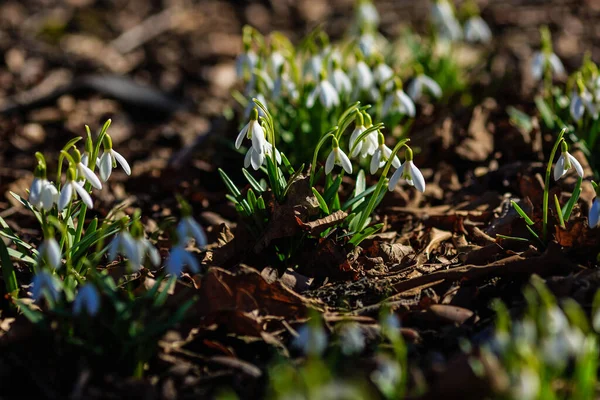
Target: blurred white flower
(352,339)
(366,14)
(245,62)
(526,385)
(594,217)
(383,73)
(326,93)
(399,102)
(313,66)
(311,340)
(442,16)
(179,257)
(340,80)
(420,82)
(43,194)
(46,285)
(87,300)
(541,59)
(189,228)
(363,77)
(49,251)
(580,102)
(477,30)
(387,376)
(123,244)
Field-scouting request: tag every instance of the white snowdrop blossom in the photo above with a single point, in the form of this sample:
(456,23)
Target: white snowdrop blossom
(337,157)
(381,156)
(363,77)
(283,84)
(135,249)
(49,251)
(87,300)
(526,385)
(276,61)
(325,92)
(71,189)
(594,214)
(581,102)
(366,14)
(189,228)
(245,62)
(542,59)
(144,248)
(443,18)
(565,162)
(313,66)
(365,146)
(256,159)
(477,30)
(420,82)
(253,131)
(85,172)
(45,285)
(340,81)
(409,172)
(43,194)
(367,44)
(311,340)
(123,244)
(352,339)
(179,257)
(109,160)
(383,73)
(399,102)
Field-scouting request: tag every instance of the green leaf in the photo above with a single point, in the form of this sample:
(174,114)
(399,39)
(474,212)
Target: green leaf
(545,111)
(568,208)
(522,213)
(331,191)
(28,206)
(356,201)
(359,237)
(559,212)
(255,185)
(229,183)
(8,270)
(519,119)
(251,199)
(322,203)
(515,238)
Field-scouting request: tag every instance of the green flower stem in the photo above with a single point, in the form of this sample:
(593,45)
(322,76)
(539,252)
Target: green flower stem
(547,185)
(380,185)
(313,166)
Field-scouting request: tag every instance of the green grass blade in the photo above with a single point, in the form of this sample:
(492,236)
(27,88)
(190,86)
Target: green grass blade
(8,270)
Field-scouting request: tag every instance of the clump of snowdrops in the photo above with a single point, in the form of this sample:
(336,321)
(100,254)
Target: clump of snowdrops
(95,308)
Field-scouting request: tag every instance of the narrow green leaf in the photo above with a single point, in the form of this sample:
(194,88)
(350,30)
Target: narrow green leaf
(8,270)
(322,203)
(255,185)
(568,208)
(506,237)
(522,213)
(229,183)
(559,212)
(545,111)
(332,189)
(359,237)
(251,199)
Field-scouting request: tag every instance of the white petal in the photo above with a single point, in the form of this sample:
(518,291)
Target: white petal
(35,191)
(85,196)
(66,194)
(248,157)
(330,163)
(256,159)
(89,176)
(556,64)
(122,162)
(577,108)
(396,178)
(196,231)
(537,65)
(414,89)
(329,97)
(576,164)
(364,75)
(417,176)
(432,86)
(344,161)
(387,104)
(407,103)
(258,136)
(153,253)
(559,168)
(375,160)
(594,214)
(357,146)
(53,253)
(49,196)
(310,101)
(105,166)
(113,247)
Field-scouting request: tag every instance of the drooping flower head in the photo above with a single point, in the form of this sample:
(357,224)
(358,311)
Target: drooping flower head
(324,92)
(382,155)
(476,29)
(338,78)
(49,250)
(83,171)
(337,157)
(71,189)
(87,300)
(134,246)
(409,172)
(582,100)
(367,16)
(109,159)
(42,193)
(444,20)
(421,83)
(594,214)
(546,60)
(398,102)
(46,285)
(565,162)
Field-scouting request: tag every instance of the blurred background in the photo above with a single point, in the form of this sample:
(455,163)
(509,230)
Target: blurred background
(163,71)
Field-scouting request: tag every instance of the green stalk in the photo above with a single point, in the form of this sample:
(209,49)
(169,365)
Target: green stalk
(547,184)
(313,166)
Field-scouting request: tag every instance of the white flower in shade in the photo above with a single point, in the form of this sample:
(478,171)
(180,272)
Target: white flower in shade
(313,66)
(245,62)
(594,215)
(387,375)
(123,244)
(399,102)
(558,348)
(526,385)
(340,81)
(337,157)
(325,92)
(256,159)
(188,228)
(367,44)
(381,156)
(178,259)
(49,251)
(276,61)
(477,30)
(45,285)
(311,340)
(363,77)
(43,194)
(253,131)
(135,249)
(383,73)
(443,18)
(355,148)
(366,14)
(541,59)
(420,82)
(580,102)
(284,85)
(144,248)
(409,172)
(565,162)
(71,189)
(87,300)
(352,339)
(109,160)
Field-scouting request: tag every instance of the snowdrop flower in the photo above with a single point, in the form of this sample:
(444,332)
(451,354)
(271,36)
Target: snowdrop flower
(46,285)
(71,189)
(178,259)
(544,59)
(256,159)
(442,15)
(144,248)
(84,171)
(387,376)
(49,251)
(337,157)
(594,215)
(188,228)
(363,147)
(311,339)
(252,131)
(85,157)
(565,162)
(87,300)
(276,60)
(383,74)
(399,102)
(42,193)
(363,77)
(558,348)
(420,82)
(109,160)
(338,78)
(382,155)
(366,14)
(409,172)
(313,66)
(476,30)
(581,101)
(124,244)
(134,246)
(247,60)
(367,44)
(526,385)
(284,83)
(352,339)
(325,92)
